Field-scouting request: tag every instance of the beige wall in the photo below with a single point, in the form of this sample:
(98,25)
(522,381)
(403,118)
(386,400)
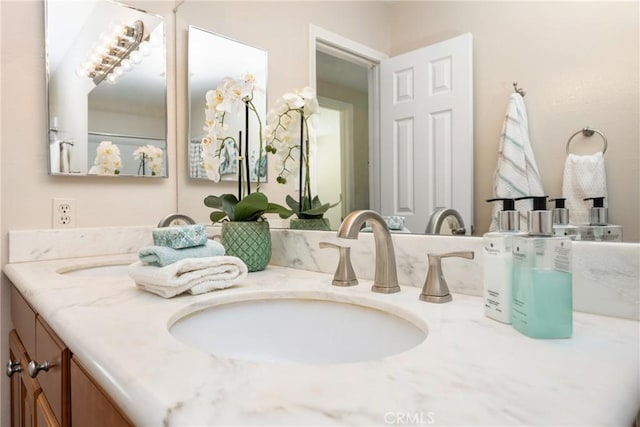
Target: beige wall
(578,62)
(281,28)
(26,188)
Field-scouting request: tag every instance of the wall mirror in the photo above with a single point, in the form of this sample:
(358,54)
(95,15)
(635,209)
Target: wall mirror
(212,58)
(106,86)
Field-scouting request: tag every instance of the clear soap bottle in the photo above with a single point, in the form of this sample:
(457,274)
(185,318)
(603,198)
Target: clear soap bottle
(542,300)
(497,260)
(561,226)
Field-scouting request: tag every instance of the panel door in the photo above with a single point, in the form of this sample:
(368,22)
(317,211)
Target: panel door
(426,133)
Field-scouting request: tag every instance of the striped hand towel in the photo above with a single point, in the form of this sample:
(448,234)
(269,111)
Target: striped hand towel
(516,172)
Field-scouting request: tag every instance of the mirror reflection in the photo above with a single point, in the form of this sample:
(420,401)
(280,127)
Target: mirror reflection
(573,80)
(212,58)
(106,86)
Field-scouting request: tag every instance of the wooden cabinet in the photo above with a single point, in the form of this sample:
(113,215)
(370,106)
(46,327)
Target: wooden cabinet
(91,406)
(61,392)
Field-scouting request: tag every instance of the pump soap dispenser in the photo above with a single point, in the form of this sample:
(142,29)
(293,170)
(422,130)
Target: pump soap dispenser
(542,304)
(598,230)
(497,261)
(561,226)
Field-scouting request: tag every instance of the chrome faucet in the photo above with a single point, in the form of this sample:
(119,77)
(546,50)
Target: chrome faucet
(386,277)
(178,218)
(438,216)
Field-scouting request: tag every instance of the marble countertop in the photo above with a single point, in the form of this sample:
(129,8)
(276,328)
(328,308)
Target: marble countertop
(469,371)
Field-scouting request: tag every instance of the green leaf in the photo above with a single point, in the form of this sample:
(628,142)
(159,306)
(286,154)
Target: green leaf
(229,205)
(213,202)
(217,216)
(292,203)
(280,210)
(251,207)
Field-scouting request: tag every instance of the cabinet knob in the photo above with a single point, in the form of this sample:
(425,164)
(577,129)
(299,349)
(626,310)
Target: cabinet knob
(33,368)
(13,368)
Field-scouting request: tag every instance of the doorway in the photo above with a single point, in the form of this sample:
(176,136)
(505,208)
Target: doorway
(345,76)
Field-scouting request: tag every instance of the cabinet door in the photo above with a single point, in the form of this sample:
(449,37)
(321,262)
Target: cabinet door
(24,389)
(55,381)
(90,405)
(44,414)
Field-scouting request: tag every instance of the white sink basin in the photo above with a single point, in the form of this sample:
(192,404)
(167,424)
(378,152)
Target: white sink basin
(98,271)
(306,331)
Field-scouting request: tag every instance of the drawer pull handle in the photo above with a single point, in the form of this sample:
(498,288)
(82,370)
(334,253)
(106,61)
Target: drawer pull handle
(34,368)
(13,368)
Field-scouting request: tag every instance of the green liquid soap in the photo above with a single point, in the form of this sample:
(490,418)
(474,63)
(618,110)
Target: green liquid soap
(542,304)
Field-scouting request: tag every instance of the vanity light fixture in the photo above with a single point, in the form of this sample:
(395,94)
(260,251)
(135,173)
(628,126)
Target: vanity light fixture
(114,54)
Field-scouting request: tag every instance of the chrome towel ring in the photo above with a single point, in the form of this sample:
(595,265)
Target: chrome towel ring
(588,131)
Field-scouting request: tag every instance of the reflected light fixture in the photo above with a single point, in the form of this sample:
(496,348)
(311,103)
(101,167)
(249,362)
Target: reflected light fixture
(114,54)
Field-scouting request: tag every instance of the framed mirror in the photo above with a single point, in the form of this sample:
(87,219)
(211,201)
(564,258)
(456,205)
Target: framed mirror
(211,59)
(106,89)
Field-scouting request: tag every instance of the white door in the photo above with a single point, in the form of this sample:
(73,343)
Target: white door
(426,132)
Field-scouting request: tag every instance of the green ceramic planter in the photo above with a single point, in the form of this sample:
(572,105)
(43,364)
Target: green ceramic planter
(321,224)
(250,241)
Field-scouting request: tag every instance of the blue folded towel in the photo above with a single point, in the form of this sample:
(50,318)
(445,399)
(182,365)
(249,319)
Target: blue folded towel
(185,236)
(163,255)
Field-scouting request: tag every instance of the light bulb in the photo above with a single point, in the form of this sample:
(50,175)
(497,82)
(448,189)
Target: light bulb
(135,57)
(118,71)
(112,78)
(126,65)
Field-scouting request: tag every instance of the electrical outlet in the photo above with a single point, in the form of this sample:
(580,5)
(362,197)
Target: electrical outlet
(63,214)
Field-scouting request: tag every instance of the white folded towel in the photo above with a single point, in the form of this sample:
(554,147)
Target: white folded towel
(193,275)
(584,176)
(516,173)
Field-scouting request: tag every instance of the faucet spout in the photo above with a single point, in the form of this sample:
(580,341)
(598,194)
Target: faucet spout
(437,219)
(386,275)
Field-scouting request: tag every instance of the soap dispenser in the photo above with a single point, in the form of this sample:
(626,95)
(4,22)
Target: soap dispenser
(560,217)
(497,260)
(541,303)
(598,230)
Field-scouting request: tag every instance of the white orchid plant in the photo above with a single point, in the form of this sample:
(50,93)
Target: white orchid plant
(289,130)
(107,161)
(230,97)
(149,156)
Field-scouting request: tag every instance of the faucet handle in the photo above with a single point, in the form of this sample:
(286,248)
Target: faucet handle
(344,275)
(435,288)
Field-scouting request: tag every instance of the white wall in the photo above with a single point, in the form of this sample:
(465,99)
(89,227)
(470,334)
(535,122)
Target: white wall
(578,62)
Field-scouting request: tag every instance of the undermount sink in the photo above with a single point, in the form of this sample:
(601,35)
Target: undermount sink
(97,271)
(303,331)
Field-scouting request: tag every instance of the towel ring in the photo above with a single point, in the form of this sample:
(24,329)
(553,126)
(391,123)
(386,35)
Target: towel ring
(588,131)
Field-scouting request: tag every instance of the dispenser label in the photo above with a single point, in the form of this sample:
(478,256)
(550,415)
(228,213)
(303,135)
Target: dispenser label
(562,256)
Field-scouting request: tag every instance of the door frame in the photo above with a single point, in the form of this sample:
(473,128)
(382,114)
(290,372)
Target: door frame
(350,50)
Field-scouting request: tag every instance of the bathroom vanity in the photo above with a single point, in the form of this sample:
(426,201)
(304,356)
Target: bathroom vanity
(116,346)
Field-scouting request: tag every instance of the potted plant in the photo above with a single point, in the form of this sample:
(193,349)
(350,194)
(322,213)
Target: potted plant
(245,232)
(289,129)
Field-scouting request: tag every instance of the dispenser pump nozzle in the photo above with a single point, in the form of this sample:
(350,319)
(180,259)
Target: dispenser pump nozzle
(508,217)
(539,202)
(539,219)
(598,214)
(507,204)
(559,202)
(598,202)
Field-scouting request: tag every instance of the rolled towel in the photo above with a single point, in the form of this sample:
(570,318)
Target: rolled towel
(161,256)
(193,275)
(187,236)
